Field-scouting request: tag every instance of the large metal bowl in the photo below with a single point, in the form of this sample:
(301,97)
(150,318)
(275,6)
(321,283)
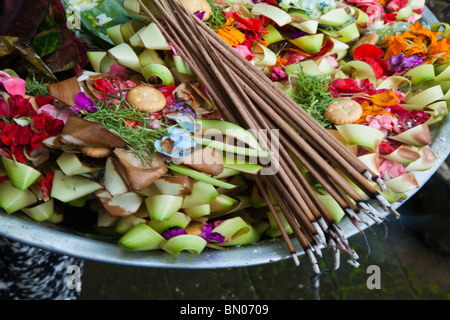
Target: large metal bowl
(69,242)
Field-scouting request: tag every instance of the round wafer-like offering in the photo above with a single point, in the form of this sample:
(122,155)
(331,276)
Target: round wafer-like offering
(95,152)
(146,99)
(343,111)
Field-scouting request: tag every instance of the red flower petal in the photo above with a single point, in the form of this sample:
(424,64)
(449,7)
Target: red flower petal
(43,100)
(368,51)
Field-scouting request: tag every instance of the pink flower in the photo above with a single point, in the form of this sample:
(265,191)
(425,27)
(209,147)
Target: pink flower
(12,85)
(390,169)
(383,122)
(55,113)
(245,52)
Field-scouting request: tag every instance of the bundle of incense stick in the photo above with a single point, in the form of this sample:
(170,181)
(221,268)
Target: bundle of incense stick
(245,96)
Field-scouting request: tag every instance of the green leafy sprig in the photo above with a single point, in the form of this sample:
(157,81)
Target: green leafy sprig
(217,19)
(312,94)
(119,117)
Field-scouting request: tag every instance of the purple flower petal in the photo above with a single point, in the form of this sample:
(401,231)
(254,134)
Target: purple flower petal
(172,232)
(400,62)
(83,102)
(200,15)
(208,235)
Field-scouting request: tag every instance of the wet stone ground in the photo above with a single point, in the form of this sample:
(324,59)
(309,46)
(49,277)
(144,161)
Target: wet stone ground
(414,260)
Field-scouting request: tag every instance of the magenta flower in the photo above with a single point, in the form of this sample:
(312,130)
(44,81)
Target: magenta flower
(172,232)
(12,85)
(83,102)
(209,235)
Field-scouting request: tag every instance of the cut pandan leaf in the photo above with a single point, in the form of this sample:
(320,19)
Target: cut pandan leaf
(349,33)
(13,199)
(239,182)
(278,15)
(372,161)
(339,49)
(356,134)
(69,188)
(331,205)
(184,242)
(105,220)
(41,212)
(21,175)
(126,223)
(199,176)
(132,6)
(404,183)
(78,203)
(241,165)
(310,44)
(115,34)
(352,148)
(252,236)
(175,185)
(335,18)
(135,41)
(309,26)
(232,149)
(226,173)
(361,17)
(427,96)
(71,165)
(425,162)
(439,68)
(151,190)
(198,211)
(264,56)
(149,56)
(152,38)
(160,71)
(129,28)
(421,74)
(232,227)
(256,200)
(141,238)
(404,13)
(325,67)
(120,205)
(392,196)
(398,82)
(95,58)
(163,207)
(444,73)
(418,136)
(230,131)
(272,35)
(404,154)
(282,218)
(202,193)
(114,181)
(359,69)
(179,220)
(106,63)
(125,56)
(261,227)
(222,204)
(181,65)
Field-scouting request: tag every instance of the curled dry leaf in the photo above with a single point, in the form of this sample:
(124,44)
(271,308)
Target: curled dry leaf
(65,91)
(206,159)
(175,185)
(80,132)
(139,174)
(121,205)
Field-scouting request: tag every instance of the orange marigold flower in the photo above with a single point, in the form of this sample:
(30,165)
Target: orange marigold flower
(231,35)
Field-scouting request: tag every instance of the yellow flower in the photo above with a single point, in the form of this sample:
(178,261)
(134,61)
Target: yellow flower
(231,35)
